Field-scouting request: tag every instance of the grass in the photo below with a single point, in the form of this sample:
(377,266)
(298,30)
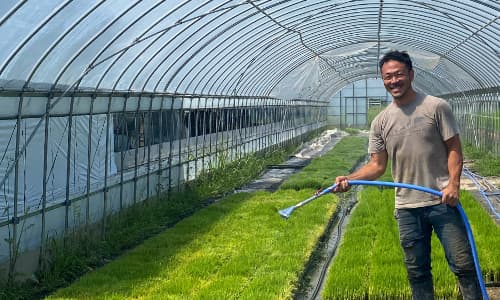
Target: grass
(484,163)
(240,248)
(370,261)
(86,249)
(236,248)
(321,173)
(352,131)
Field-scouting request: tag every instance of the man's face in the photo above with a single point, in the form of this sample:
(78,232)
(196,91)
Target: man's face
(397,78)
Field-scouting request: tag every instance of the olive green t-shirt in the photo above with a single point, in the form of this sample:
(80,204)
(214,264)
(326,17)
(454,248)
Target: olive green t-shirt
(413,136)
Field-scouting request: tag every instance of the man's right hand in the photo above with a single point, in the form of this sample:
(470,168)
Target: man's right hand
(342,183)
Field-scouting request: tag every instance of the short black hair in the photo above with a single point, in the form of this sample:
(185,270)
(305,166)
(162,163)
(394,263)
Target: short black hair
(401,56)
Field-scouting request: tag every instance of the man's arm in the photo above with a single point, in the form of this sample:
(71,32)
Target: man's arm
(370,171)
(455,163)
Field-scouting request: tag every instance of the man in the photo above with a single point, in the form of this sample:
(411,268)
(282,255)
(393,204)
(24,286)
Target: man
(419,134)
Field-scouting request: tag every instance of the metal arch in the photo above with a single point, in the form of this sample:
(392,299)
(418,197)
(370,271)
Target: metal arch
(260,49)
(202,46)
(94,62)
(200,60)
(270,67)
(171,39)
(14,53)
(58,40)
(117,55)
(207,63)
(168,56)
(159,35)
(122,32)
(284,72)
(266,75)
(12,11)
(244,49)
(425,74)
(337,87)
(301,39)
(246,17)
(463,26)
(432,78)
(479,21)
(236,81)
(238,53)
(234,54)
(140,71)
(352,76)
(152,57)
(455,20)
(458,64)
(86,45)
(428,77)
(315,14)
(465,70)
(311,39)
(475,34)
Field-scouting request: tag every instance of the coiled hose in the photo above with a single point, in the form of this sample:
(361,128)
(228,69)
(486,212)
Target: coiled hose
(288,211)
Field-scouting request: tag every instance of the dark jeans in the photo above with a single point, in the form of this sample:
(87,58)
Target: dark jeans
(415,229)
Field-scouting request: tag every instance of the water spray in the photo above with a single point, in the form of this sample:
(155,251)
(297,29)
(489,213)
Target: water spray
(286,213)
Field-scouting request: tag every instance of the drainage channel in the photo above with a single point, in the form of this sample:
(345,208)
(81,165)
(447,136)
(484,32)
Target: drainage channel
(315,274)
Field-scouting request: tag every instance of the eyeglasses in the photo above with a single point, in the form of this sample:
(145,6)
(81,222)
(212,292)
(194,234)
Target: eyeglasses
(398,76)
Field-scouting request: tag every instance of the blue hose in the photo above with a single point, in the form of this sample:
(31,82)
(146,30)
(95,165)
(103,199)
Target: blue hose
(287,212)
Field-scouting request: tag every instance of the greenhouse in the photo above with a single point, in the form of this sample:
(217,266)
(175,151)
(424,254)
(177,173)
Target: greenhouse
(137,135)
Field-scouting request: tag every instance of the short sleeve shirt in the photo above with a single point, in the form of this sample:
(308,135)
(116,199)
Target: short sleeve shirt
(414,137)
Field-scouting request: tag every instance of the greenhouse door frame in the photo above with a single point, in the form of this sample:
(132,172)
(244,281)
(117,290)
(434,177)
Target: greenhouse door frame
(352,110)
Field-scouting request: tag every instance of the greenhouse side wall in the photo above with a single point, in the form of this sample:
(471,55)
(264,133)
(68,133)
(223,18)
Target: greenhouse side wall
(478,114)
(70,161)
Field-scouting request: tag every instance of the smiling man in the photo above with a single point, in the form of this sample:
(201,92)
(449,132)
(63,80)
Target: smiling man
(420,135)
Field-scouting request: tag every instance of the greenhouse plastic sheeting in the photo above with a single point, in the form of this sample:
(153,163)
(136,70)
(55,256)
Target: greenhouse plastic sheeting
(289,49)
(30,189)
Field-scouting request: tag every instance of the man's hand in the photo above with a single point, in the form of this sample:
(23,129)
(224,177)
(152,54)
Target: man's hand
(342,184)
(450,195)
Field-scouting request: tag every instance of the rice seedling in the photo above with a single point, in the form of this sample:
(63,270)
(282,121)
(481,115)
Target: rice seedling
(236,248)
(321,172)
(370,261)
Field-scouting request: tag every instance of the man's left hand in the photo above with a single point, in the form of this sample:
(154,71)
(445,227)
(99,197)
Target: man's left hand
(450,195)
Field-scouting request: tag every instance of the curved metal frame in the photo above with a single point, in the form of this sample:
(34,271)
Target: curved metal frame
(457,23)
